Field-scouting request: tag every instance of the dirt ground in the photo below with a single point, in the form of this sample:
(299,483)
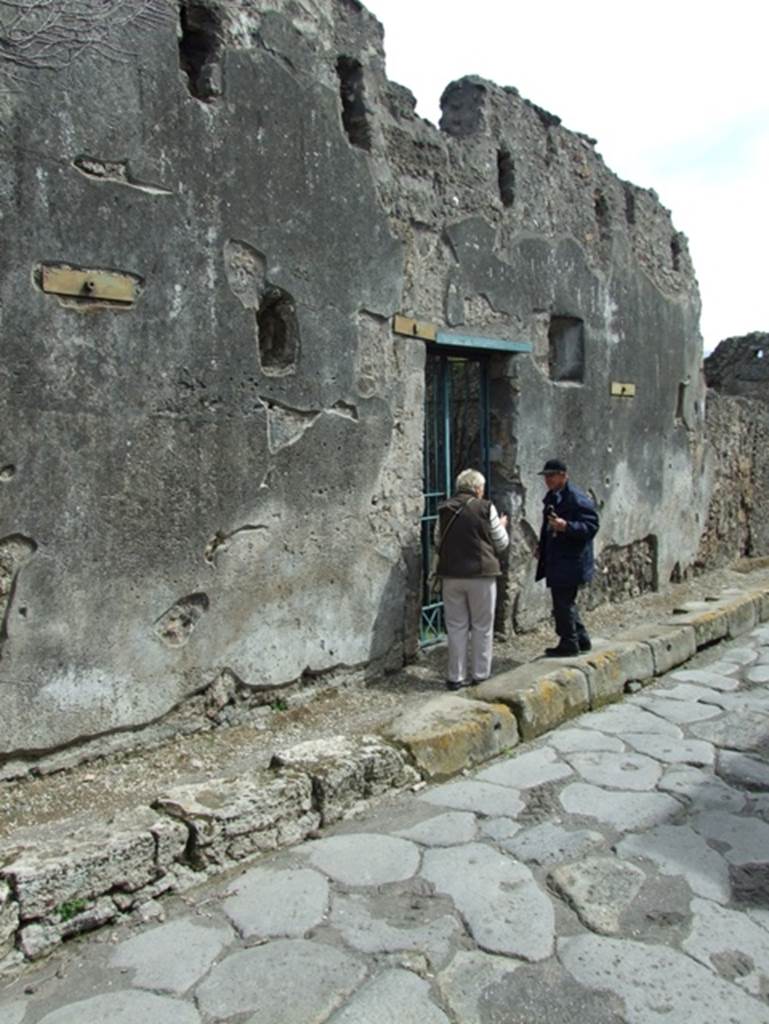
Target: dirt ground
(101,788)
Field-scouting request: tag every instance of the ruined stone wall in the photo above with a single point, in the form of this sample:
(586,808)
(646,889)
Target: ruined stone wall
(210,471)
(738,436)
(515,228)
(740,366)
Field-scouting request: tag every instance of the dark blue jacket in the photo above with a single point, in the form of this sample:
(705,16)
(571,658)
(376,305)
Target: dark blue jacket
(566,559)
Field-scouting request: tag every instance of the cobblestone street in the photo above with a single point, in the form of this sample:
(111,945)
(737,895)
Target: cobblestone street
(613,871)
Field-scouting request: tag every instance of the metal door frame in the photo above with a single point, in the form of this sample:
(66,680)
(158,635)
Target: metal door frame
(431,626)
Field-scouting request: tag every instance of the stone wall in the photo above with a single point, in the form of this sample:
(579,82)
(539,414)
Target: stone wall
(740,366)
(738,436)
(212,463)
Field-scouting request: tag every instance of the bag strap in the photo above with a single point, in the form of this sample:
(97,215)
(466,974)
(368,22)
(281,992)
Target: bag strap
(453,519)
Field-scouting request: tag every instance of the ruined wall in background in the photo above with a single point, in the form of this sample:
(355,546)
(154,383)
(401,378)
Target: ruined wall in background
(211,469)
(740,366)
(738,435)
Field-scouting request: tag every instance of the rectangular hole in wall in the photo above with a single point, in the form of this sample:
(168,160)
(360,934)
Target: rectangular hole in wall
(566,336)
(506,177)
(352,93)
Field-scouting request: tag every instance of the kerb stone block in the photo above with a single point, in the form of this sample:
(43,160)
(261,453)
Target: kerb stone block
(9,920)
(450,733)
(708,619)
(539,698)
(741,612)
(61,876)
(345,771)
(608,670)
(670,645)
(230,819)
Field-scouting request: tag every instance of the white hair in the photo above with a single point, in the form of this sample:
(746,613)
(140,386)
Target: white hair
(470,480)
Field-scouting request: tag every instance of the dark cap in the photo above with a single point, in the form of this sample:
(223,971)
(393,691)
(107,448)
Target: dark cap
(553,466)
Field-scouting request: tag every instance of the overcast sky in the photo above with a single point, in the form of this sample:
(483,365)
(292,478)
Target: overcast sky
(675,92)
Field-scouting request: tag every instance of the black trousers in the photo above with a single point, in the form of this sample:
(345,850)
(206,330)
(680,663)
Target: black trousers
(568,625)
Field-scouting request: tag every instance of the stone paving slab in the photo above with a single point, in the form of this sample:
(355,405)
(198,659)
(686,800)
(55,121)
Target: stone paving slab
(706,677)
(480,797)
(154,959)
(550,843)
(629,771)
(505,910)
(450,829)
(657,985)
(527,770)
(623,810)
(671,751)
(736,730)
(701,789)
(288,981)
(393,997)
(363,859)
(269,902)
(402,920)
(125,1008)
(679,850)
(600,889)
(731,943)
(746,839)
(682,712)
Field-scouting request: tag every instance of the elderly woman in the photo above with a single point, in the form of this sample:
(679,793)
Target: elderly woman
(468,537)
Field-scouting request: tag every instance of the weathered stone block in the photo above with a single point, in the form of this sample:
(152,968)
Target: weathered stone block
(345,771)
(761,600)
(540,698)
(741,611)
(9,920)
(58,877)
(708,619)
(37,940)
(233,818)
(670,645)
(608,670)
(449,733)
(170,842)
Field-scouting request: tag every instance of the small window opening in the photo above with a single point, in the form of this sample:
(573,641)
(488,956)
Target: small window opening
(629,205)
(566,335)
(602,214)
(352,92)
(680,402)
(506,177)
(199,50)
(278,330)
(675,252)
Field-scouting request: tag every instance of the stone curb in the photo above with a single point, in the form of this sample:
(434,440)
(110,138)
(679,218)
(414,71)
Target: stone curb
(73,879)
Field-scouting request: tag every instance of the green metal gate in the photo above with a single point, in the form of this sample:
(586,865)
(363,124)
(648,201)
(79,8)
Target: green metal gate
(456,438)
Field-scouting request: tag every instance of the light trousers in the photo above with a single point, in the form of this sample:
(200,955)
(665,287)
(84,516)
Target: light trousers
(468,608)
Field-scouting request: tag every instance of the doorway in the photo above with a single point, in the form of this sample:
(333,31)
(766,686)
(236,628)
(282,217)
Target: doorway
(456,437)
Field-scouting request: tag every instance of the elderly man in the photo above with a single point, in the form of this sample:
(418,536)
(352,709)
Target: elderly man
(469,534)
(565,555)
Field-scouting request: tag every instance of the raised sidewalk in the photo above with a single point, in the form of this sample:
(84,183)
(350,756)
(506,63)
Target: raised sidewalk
(67,880)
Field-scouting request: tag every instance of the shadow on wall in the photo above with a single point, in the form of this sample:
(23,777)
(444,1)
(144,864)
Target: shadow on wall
(395,632)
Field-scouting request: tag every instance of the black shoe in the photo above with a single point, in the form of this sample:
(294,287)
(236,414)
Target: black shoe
(562,651)
(451,685)
(585,645)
